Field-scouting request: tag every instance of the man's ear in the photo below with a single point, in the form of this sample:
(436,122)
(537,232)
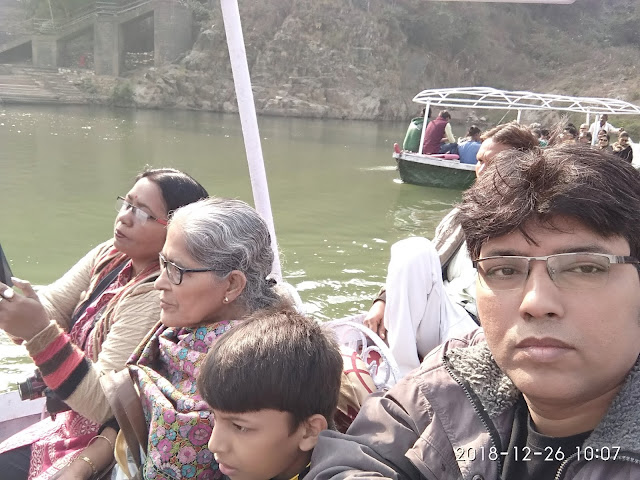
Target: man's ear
(312,427)
(237,282)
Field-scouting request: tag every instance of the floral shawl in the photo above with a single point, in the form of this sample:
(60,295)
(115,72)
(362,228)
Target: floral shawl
(165,368)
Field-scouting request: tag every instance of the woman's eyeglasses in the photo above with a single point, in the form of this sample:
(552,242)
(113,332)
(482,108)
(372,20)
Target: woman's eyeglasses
(175,272)
(122,206)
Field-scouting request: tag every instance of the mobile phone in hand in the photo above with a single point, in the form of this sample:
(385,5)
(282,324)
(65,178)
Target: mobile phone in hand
(5,269)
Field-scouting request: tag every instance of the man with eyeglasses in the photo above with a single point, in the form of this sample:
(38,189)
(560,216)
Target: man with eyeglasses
(549,387)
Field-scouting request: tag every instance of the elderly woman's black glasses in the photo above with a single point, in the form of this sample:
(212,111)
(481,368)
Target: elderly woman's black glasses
(122,206)
(175,272)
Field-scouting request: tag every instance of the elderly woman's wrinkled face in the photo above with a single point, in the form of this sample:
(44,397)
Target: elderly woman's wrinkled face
(200,296)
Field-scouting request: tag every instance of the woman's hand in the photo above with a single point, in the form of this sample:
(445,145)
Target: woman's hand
(21,316)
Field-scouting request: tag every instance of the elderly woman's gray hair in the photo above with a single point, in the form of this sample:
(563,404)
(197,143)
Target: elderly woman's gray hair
(225,235)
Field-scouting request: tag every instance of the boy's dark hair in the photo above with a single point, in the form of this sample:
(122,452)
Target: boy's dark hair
(572,180)
(275,359)
(445,114)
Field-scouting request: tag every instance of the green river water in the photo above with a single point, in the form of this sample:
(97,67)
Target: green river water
(337,202)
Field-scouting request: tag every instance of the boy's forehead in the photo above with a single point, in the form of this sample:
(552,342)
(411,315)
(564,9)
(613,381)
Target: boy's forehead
(263,415)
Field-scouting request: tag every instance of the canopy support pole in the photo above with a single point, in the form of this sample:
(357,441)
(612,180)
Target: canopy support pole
(519,115)
(594,138)
(249,121)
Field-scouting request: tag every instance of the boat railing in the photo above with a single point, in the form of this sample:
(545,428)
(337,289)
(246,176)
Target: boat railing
(372,349)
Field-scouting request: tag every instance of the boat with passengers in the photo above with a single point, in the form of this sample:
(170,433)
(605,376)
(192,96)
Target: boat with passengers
(446,171)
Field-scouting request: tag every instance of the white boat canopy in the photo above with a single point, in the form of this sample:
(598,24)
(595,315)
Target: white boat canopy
(491,98)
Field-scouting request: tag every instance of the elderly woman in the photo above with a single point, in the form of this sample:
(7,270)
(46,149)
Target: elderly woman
(215,264)
(90,321)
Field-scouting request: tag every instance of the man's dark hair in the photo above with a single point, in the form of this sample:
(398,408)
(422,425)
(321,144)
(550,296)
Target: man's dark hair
(445,114)
(572,180)
(514,135)
(275,359)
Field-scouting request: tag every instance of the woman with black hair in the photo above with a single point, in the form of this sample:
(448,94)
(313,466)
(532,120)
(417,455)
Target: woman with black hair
(90,321)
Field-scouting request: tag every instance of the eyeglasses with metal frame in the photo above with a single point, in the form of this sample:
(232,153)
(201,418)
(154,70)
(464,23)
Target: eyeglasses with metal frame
(570,271)
(122,206)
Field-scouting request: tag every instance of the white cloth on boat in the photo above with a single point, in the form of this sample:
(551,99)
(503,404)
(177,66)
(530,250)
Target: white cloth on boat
(422,310)
(448,132)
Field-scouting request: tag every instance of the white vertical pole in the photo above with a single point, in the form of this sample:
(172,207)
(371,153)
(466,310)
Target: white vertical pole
(249,121)
(424,125)
(519,115)
(594,138)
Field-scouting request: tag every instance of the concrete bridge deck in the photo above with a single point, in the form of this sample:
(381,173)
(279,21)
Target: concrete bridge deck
(109,21)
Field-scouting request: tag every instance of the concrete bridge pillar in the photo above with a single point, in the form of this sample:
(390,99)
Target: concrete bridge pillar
(108,46)
(172,30)
(45,51)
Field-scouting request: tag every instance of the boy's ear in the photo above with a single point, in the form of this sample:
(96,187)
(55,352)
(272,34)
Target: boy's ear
(312,427)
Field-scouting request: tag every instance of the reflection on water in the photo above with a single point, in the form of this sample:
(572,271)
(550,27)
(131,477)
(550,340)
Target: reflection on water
(337,208)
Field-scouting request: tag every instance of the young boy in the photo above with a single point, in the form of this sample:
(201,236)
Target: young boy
(272,384)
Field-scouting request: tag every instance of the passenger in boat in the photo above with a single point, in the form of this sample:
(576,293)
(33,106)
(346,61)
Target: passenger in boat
(603,142)
(585,137)
(603,124)
(429,294)
(214,269)
(468,149)
(545,136)
(549,387)
(584,129)
(570,133)
(91,320)
(272,384)
(411,141)
(438,130)
(622,148)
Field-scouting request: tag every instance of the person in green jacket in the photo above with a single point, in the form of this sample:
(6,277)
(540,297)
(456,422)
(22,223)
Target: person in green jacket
(411,141)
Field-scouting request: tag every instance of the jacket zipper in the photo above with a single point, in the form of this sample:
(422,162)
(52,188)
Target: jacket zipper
(562,469)
(474,403)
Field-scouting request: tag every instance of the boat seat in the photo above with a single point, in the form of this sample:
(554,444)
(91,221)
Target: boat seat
(445,156)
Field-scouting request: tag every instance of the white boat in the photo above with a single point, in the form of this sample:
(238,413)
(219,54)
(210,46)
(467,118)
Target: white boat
(16,415)
(440,171)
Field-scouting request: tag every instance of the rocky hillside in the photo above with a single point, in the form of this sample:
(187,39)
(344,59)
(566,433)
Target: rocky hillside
(365,59)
